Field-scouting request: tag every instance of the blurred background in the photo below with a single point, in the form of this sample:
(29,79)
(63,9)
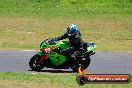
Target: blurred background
(24,24)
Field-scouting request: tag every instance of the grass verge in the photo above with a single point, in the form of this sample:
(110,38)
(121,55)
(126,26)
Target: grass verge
(36,80)
(27,33)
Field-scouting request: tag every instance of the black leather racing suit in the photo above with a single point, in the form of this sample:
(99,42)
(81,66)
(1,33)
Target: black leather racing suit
(75,42)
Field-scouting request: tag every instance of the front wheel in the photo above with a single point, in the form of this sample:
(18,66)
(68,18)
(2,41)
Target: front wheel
(34,65)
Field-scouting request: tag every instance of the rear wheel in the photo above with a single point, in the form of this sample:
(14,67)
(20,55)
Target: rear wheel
(34,65)
(84,63)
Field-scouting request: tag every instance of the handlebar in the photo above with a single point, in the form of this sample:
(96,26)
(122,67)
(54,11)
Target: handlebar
(51,41)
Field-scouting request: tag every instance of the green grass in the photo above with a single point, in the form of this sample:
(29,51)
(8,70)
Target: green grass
(64,8)
(25,23)
(54,80)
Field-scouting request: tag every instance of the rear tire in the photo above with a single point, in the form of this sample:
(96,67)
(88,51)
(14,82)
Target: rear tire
(34,65)
(84,64)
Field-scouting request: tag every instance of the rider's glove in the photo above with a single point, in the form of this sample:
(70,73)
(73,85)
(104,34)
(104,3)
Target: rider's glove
(53,40)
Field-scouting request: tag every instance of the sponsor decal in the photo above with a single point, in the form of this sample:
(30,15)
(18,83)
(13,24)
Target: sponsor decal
(103,78)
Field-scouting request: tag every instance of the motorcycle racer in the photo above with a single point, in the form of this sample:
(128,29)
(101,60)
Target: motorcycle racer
(75,43)
(60,54)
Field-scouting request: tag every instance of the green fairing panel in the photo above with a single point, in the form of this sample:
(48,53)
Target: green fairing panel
(92,47)
(56,59)
(40,53)
(60,44)
(44,45)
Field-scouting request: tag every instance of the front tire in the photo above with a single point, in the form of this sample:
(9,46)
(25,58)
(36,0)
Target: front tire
(34,65)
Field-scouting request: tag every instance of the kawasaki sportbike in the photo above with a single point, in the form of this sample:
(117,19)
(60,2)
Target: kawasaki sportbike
(52,58)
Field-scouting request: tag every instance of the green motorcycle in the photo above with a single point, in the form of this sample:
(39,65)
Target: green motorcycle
(52,58)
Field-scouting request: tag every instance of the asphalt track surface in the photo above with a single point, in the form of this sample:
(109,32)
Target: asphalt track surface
(101,62)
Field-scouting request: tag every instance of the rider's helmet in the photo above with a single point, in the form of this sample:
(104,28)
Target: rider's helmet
(72,30)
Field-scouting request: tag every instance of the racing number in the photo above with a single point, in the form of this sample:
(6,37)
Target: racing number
(47,50)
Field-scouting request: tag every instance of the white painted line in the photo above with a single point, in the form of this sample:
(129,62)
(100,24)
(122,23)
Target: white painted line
(29,50)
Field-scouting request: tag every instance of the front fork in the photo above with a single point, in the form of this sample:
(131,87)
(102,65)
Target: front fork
(42,57)
(44,51)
